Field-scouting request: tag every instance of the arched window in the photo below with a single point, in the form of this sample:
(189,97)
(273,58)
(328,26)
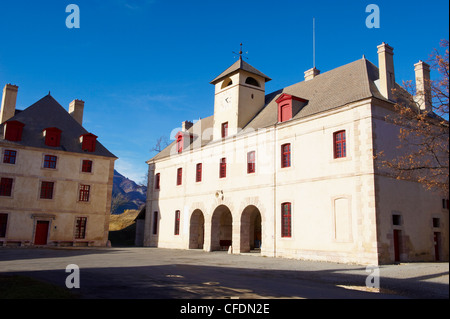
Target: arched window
(251,81)
(226,83)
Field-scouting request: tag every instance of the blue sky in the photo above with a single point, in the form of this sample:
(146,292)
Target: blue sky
(144,66)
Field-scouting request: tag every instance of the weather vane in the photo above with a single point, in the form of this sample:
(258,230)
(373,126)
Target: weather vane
(241,53)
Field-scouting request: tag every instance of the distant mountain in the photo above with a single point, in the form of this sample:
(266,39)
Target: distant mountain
(133,195)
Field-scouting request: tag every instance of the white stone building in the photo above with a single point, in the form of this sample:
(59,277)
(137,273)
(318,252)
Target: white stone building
(292,173)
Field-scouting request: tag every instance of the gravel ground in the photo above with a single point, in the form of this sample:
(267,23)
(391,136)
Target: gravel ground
(153,273)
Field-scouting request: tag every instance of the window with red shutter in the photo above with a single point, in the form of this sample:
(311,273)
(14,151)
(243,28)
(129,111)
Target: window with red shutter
(198,175)
(88,142)
(3,225)
(9,157)
(47,190)
(180,141)
(177,222)
(155,223)
(251,164)
(6,186)
(286,220)
(84,193)
(80,227)
(157,181)
(50,161)
(13,131)
(87,166)
(286,155)
(179,176)
(224,129)
(52,137)
(340,144)
(223,168)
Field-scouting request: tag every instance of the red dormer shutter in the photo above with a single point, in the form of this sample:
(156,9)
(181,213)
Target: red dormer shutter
(180,141)
(13,131)
(52,136)
(288,105)
(88,142)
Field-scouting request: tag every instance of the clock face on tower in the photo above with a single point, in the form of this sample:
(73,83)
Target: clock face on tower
(226,102)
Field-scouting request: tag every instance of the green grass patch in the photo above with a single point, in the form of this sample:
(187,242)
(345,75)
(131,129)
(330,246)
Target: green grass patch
(21,287)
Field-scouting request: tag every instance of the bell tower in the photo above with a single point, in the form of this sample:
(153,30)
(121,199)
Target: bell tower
(239,95)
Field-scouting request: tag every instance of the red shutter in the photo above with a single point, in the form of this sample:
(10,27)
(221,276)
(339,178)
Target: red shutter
(52,137)
(88,142)
(13,131)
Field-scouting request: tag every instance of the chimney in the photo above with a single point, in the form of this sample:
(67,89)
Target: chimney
(76,109)
(8,102)
(186,125)
(423,87)
(311,74)
(386,69)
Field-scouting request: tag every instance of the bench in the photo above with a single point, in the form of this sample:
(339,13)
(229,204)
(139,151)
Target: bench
(224,244)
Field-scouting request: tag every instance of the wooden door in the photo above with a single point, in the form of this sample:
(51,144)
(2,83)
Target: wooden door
(436,239)
(397,244)
(40,237)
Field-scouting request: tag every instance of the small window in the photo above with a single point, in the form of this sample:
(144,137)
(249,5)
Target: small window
(80,227)
(9,157)
(251,163)
(223,168)
(286,155)
(47,190)
(3,224)
(179,176)
(84,193)
(445,204)
(340,147)
(396,220)
(252,81)
(6,186)
(286,220)
(436,222)
(177,222)
(50,161)
(198,174)
(224,129)
(157,181)
(87,166)
(155,223)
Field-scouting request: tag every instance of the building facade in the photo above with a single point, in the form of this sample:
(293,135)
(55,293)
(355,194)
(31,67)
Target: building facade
(292,173)
(56,178)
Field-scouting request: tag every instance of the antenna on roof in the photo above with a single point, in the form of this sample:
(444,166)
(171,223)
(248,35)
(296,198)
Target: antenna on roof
(240,54)
(314,42)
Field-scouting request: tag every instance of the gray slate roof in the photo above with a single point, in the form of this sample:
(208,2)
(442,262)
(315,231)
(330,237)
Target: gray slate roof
(240,65)
(346,84)
(47,113)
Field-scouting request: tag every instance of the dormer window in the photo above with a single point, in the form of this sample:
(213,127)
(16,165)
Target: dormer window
(252,81)
(52,137)
(288,106)
(182,141)
(13,131)
(88,142)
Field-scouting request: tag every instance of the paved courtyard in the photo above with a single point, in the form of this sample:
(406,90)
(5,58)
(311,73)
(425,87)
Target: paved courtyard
(153,273)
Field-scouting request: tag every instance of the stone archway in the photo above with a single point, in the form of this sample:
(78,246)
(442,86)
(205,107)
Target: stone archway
(221,228)
(251,229)
(197,230)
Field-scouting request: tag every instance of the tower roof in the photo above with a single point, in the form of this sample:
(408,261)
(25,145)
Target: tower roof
(240,65)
